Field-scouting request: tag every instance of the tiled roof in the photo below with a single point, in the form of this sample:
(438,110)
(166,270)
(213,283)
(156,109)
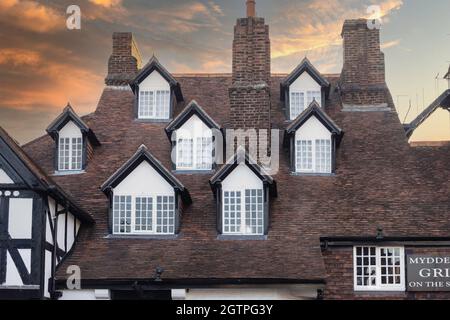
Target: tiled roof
(379,183)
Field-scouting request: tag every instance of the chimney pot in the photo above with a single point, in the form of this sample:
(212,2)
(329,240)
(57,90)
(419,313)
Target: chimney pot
(251,8)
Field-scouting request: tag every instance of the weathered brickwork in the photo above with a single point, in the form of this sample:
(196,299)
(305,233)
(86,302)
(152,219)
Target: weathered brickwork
(249,94)
(339,282)
(363,73)
(124,61)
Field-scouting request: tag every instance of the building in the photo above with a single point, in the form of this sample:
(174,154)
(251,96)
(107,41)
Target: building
(353,211)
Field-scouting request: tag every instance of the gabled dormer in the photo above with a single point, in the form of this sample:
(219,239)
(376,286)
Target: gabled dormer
(195,137)
(242,190)
(304,85)
(156,93)
(74,142)
(145,198)
(312,139)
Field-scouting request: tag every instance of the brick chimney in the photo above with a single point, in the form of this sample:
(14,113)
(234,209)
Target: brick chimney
(250,90)
(125,60)
(363,74)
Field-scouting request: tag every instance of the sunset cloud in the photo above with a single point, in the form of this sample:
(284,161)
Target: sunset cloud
(390,44)
(308,28)
(106,3)
(30,15)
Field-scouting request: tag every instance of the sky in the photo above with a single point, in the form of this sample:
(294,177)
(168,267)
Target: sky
(43,65)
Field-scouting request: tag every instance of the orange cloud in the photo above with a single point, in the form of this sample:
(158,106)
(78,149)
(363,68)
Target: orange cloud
(30,15)
(106,3)
(47,83)
(314,27)
(390,44)
(17,57)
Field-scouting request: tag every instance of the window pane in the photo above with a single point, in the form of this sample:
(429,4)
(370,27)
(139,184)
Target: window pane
(254,213)
(297,104)
(64,154)
(77,147)
(162,104)
(390,266)
(313,95)
(146,104)
(204,153)
(185,156)
(232,212)
(122,214)
(304,155)
(165,214)
(323,156)
(143,218)
(365,267)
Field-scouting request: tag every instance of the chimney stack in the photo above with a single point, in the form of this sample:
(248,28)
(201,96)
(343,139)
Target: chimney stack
(363,74)
(125,60)
(250,90)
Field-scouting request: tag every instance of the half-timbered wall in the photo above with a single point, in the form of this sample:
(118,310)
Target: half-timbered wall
(67,227)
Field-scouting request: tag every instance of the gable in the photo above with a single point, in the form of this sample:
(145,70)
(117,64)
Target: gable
(143,180)
(154,81)
(194,126)
(242,177)
(70,130)
(312,129)
(4,178)
(305,82)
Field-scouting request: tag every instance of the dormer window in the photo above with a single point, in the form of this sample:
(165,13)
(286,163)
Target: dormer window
(303,86)
(242,190)
(193,137)
(156,92)
(74,142)
(70,148)
(313,138)
(146,199)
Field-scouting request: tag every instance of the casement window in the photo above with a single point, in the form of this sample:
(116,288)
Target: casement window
(154,104)
(297,103)
(313,156)
(313,95)
(144,215)
(300,100)
(70,153)
(194,153)
(243,212)
(379,268)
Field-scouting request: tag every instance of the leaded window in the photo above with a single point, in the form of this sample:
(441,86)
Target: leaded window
(313,156)
(297,104)
(379,268)
(154,104)
(243,212)
(70,153)
(144,214)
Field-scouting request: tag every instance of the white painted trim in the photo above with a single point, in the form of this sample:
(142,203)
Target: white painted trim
(380,287)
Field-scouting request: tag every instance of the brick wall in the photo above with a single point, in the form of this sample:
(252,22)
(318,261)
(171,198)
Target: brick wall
(124,61)
(339,282)
(250,91)
(363,72)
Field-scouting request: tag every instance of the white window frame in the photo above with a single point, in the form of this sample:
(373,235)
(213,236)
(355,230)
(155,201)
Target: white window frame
(154,228)
(313,169)
(71,149)
(155,112)
(243,227)
(379,286)
(306,100)
(195,151)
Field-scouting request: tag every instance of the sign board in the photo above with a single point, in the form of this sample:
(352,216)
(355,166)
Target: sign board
(428,273)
